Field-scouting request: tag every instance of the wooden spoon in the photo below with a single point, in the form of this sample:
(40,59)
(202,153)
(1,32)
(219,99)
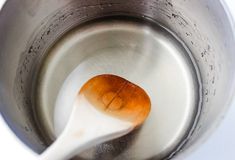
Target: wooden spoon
(106,107)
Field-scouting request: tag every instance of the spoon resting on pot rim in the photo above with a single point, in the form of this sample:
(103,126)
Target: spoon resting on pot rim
(106,107)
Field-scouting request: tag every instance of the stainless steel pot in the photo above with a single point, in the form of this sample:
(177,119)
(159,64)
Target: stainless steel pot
(28,28)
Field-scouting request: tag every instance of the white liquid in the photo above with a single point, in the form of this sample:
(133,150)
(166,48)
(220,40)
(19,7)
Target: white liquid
(150,58)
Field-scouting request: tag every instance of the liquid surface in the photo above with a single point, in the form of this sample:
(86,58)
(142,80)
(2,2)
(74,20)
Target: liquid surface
(147,55)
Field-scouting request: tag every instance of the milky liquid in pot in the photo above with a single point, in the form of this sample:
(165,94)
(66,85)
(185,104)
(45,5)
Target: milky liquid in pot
(143,53)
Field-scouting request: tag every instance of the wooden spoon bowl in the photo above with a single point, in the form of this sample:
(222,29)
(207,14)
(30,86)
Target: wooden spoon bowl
(117,97)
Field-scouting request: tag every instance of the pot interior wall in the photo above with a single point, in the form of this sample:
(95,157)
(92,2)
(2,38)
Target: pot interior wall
(34,26)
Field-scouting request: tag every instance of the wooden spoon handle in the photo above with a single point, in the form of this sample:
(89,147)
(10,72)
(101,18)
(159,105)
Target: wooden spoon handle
(92,127)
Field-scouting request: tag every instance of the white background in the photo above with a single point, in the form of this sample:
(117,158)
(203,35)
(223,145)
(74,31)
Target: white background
(220,146)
